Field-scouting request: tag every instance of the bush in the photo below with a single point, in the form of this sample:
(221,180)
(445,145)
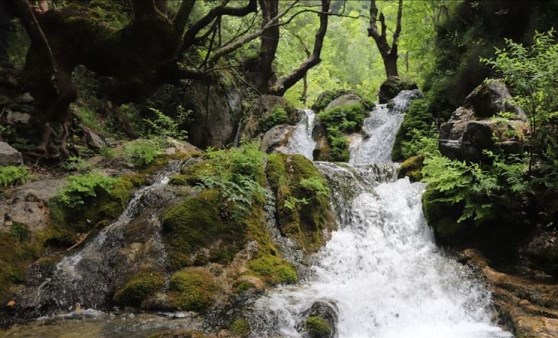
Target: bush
(278,116)
(12,175)
(82,187)
(142,152)
(165,126)
(417,125)
(339,121)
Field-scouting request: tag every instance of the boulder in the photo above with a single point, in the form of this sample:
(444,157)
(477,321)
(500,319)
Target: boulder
(9,155)
(491,98)
(276,137)
(475,127)
(320,320)
(393,86)
(93,140)
(18,118)
(266,112)
(347,99)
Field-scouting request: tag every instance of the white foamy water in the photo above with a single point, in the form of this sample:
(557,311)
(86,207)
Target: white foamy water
(381,269)
(301,141)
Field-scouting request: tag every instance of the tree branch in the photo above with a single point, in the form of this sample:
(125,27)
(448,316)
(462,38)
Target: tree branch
(190,35)
(181,18)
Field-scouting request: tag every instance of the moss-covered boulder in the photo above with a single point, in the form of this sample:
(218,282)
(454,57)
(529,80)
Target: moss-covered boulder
(273,270)
(266,112)
(317,327)
(393,86)
(193,289)
(138,288)
(302,200)
(197,232)
(412,167)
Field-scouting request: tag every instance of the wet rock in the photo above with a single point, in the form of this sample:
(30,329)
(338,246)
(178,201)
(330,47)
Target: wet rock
(412,167)
(276,137)
(9,155)
(393,86)
(528,308)
(474,128)
(320,320)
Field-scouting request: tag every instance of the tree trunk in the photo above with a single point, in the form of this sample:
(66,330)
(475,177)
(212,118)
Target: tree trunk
(388,52)
(390,64)
(268,47)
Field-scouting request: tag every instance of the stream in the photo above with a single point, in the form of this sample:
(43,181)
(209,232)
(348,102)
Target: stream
(381,273)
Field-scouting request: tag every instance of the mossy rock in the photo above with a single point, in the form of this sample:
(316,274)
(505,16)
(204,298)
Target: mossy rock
(326,97)
(412,167)
(302,196)
(273,270)
(393,86)
(138,288)
(192,289)
(195,225)
(15,256)
(317,327)
(240,327)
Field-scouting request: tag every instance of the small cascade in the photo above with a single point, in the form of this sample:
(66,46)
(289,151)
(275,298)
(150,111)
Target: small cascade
(87,276)
(381,273)
(301,141)
(380,129)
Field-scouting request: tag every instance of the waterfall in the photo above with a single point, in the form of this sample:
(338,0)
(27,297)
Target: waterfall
(381,270)
(301,140)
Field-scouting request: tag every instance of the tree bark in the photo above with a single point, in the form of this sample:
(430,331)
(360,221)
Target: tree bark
(286,82)
(388,52)
(269,43)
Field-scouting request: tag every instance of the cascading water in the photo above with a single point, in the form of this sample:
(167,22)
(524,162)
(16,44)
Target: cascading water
(381,270)
(301,141)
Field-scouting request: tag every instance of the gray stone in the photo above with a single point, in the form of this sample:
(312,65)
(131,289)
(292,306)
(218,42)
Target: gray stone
(14,117)
(276,137)
(344,100)
(261,111)
(92,139)
(9,155)
(491,98)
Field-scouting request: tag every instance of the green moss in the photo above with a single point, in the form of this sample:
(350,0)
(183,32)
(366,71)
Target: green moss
(16,254)
(240,327)
(302,197)
(179,179)
(138,288)
(317,327)
(412,167)
(339,121)
(274,270)
(243,287)
(418,121)
(326,97)
(197,223)
(193,290)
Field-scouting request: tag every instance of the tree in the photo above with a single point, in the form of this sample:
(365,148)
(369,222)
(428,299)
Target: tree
(389,52)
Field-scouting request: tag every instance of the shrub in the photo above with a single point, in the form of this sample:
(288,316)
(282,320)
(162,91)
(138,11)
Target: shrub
(142,152)
(165,126)
(12,175)
(82,187)
(278,116)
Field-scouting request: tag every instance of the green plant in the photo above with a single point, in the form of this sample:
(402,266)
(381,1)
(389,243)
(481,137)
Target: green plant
(339,121)
(90,119)
(20,231)
(278,116)
(12,175)
(142,152)
(165,126)
(74,163)
(415,131)
(82,187)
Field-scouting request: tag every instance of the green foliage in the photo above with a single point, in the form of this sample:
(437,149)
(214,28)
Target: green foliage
(91,120)
(19,231)
(278,116)
(142,152)
(317,327)
(238,174)
(12,175)
(74,163)
(240,327)
(82,187)
(165,126)
(416,135)
(483,190)
(326,97)
(339,121)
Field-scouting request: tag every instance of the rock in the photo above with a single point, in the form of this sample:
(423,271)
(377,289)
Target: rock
(13,117)
(412,167)
(276,137)
(472,129)
(320,320)
(527,307)
(25,98)
(92,139)
(9,155)
(180,147)
(347,99)
(393,86)
(266,112)
(491,98)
